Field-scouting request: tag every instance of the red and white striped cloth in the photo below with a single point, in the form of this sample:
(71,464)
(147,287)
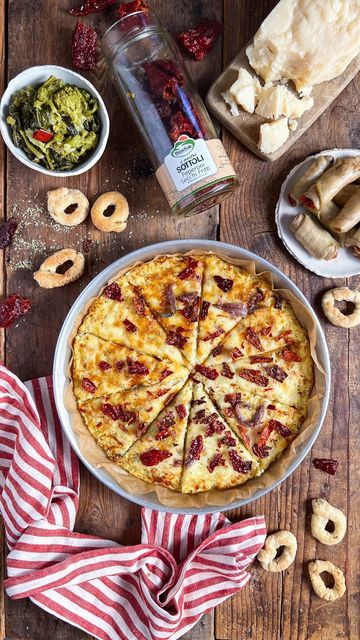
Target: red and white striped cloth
(184,566)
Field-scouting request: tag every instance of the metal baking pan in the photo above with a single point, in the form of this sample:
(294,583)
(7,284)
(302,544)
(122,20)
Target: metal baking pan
(63,354)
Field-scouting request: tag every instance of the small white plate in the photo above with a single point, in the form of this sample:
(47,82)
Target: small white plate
(346,264)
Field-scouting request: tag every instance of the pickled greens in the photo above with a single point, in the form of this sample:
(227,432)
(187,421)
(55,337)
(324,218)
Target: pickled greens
(56,124)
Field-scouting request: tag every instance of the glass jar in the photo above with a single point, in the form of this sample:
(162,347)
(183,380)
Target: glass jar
(151,78)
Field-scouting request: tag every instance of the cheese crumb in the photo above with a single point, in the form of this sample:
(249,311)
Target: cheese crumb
(277,100)
(234,109)
(246,90)
(273,135)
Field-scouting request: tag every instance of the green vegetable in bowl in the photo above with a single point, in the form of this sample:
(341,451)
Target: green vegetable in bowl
(57,124)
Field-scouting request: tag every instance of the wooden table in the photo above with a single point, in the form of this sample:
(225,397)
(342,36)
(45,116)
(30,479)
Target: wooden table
(272,607)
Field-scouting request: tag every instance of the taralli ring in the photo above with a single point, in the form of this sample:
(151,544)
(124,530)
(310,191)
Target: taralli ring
(319,586)
(333,314)
(323,512)
(68,207)
(267,555)
(47,276)
(110,212)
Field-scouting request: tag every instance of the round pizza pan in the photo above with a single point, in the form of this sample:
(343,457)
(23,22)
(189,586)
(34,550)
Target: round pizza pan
(62,356)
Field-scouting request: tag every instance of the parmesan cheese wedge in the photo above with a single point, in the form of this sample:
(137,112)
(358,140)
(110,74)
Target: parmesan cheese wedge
(246,90)
(277,100)
(273,135)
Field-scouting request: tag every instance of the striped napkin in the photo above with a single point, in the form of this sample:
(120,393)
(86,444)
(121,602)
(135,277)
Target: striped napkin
(184,566)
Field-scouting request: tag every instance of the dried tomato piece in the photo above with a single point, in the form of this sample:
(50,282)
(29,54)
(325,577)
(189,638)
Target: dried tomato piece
(83,48)
(255,376)
(164,425)
(234,309)
(260,359)
(189,298)
(113,292)
(191,311)
(153,457)
(271,407)
(104,366)
(290,356)
(233,398)
(278,301)
(204,310)
(214,335)
(236,353)
(88,386)
(110,411)
(165,374)
(129,326)
(198,40)
(228,440)
(195,450)
(261,452)
(181,411)
(252,337)
(210,374)
(216,462)
(7,232)
(176,339)
(214,425)
(42,136)
(119,365)
(239,465)
(136,368)
(254,300)
(226,371)
(189,271)
(273,425)
(326,464)
(91,6)
(217,351)
(199,416)
(225,284)
(139,305)
(12,308)
(276,372)
(125,8)
(180,125)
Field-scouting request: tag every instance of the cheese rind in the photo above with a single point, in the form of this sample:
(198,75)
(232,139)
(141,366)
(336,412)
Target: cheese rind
(273,135)
(307,41)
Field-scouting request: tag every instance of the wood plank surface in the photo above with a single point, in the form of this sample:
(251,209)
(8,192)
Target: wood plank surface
(272,607)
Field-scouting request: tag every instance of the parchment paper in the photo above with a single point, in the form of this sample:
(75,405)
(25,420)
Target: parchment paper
(97,457)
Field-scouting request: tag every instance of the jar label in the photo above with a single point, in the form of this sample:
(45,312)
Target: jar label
(189,161)
(191,165)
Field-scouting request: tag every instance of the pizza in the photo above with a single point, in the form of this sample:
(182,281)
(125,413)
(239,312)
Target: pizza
(191,373)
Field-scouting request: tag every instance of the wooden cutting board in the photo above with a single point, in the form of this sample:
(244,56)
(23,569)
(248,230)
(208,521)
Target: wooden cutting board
(245,127)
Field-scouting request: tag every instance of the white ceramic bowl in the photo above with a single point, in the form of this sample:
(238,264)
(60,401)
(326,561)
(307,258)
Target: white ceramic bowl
(63,353)
(35,76)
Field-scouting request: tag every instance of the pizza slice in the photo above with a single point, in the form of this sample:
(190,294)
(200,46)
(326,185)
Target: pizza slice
(229,293)
(267,329)
(121,315)
(285,375)
(265,427)
(171,286)
(214,455)
(116,421)
(101,368)
(158,455)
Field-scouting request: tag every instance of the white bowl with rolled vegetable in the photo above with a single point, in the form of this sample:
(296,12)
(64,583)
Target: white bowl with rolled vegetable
(318,213)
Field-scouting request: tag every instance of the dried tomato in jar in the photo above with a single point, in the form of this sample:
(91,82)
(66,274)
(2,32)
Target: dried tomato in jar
(151,78)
